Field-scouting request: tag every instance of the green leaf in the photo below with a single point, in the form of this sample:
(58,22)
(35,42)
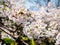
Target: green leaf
(10,41)
(32,42)
(25,38)
(13,44)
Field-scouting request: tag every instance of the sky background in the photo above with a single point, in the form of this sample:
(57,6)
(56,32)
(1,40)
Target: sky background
(32,4)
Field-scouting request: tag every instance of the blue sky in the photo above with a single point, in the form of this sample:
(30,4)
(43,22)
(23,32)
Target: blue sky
(32,4)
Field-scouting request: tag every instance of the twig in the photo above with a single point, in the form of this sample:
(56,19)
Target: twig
(8,29)
(24,42)
(7,33)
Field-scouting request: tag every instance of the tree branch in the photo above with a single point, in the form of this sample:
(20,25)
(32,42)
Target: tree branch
(4,30)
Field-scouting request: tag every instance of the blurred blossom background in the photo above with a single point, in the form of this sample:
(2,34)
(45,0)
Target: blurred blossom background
(29,22)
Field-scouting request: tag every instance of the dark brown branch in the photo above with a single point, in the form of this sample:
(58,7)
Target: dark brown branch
(8,29)
(7,33)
